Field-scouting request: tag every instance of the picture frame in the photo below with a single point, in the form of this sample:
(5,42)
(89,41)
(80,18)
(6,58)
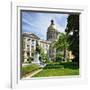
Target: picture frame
(16,81)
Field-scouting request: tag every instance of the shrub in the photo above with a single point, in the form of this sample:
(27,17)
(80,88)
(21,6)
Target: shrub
(54,66)
(59,57)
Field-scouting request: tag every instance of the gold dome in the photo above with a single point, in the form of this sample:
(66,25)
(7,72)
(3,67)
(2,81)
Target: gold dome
(52,26)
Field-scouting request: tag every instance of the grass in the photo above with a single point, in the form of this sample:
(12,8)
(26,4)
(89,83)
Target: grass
(30,68)
(57,72)
(57,69)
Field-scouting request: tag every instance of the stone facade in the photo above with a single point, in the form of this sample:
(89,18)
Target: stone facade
(29,45)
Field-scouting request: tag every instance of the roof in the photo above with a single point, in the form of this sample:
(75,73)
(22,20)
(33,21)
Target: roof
(45,41)
(30,35)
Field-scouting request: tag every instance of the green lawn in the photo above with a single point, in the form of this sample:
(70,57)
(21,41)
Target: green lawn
(64,69)
(57,72)
(29,68)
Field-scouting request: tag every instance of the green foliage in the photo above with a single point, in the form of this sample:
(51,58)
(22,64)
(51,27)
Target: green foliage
(46,58)
(29,68)
(73,26)
(58,69)
(62,44)
(59,57)
(70,65)
(53,66)
(43,57)
(73,23)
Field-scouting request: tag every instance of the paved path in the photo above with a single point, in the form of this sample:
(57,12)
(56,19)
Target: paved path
(28,76)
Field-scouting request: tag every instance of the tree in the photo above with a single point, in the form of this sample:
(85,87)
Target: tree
(37,47)
(43,56)
(73,26)
(62,44)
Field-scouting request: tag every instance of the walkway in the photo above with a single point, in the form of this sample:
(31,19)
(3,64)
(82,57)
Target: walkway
(29,75)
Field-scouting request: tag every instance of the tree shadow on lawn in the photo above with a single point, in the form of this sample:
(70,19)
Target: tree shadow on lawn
(53,66)
(69,65)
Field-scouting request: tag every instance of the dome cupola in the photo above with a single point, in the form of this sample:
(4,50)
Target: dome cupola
(52,26)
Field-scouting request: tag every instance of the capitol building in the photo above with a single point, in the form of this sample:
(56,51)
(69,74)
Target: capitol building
(30,39)
(29,43)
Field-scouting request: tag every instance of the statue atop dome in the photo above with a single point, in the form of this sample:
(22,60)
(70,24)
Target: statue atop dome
(52,22)
(52,26)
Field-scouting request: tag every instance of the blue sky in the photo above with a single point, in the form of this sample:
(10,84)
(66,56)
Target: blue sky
(38,22)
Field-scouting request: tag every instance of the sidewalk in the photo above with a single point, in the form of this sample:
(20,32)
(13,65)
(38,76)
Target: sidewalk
(28,76)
